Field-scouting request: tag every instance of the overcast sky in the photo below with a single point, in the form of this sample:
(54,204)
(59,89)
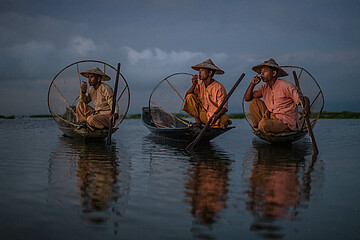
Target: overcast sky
(153,39)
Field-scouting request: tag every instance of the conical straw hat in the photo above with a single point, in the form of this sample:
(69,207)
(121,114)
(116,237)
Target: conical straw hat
(96,71)
(270,63)
(209,65)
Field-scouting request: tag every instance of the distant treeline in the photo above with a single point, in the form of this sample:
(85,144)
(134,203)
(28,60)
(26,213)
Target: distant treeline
(323,115)
(340,115)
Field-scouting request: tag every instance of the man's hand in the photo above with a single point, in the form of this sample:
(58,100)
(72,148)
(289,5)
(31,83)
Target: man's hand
(306,109)
(114,117)
(215,117)
(194,79)
(256,80)
(248,96)
(84,88)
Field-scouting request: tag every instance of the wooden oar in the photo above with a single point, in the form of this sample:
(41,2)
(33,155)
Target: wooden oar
(308,124)
(191,146)
(108,140)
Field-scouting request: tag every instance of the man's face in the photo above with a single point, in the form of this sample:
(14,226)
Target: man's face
(267,74)
(204,73)
(93,79)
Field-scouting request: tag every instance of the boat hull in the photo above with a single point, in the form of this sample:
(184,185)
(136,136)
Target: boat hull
(85,132)
(185,133)
(282,137)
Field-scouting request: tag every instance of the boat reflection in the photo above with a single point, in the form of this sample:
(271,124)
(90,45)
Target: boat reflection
(90,173)
(279,180)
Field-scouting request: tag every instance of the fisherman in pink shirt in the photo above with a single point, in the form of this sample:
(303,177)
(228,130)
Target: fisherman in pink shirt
(205,96)
(278,112)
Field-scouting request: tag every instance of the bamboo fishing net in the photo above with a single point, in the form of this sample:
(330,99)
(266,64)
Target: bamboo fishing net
(309,88)
(167,99)
(64,91)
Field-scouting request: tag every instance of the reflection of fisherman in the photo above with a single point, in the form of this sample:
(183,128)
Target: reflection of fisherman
(101,95)
(91,173)
(207,190)
(279,110)
(275,189)
(96,179)
(206,95)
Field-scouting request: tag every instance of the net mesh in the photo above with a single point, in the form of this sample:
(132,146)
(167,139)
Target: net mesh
(64,92)
(309,88)
(166,101)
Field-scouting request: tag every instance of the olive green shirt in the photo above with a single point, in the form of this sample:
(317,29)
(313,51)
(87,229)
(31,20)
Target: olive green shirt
(102,98)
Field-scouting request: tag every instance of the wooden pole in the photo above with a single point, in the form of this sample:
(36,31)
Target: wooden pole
(191,146)
(307,121)
(108,140)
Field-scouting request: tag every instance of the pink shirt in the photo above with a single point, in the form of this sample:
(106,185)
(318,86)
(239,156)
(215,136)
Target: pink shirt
(211,96)
(282,100)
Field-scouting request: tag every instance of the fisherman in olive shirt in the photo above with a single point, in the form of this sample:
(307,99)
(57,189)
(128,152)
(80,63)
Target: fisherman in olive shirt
(101,95)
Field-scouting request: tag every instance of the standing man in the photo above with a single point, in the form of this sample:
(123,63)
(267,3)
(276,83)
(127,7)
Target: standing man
(101,95)
(279,110)
(205,96)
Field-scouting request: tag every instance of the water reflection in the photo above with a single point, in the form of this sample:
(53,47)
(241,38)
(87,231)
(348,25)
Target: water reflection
(279,179)
(93,175)
(206,180)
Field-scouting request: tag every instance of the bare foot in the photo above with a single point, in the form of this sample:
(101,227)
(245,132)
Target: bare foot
(256,132)
(197,124)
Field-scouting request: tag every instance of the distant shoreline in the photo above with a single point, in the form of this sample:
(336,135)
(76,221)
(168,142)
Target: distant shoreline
(324,115)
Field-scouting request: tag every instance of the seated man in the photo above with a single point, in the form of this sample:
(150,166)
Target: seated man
(279,110)
(101,95)
(205,96)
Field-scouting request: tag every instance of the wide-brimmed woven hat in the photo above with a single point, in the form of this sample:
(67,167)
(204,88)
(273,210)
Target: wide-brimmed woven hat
(96,71)
(270,63)
(208,64)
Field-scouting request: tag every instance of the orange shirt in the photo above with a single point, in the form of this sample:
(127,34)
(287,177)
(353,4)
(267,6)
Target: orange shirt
(211,96)
(282,100)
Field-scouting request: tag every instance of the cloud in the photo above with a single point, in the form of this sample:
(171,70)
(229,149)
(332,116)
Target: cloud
(82,46)
(39,59)
(149,66)
(172,57)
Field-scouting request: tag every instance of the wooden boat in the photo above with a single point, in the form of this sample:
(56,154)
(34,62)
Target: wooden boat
(290,136)
(312,90)
(63,95)
(85,132)
(179,130)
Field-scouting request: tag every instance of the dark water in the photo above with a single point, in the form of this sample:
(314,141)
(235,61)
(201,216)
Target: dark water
(235,187)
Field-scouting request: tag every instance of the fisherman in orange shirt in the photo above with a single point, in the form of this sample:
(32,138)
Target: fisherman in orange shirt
(205,96)
(279,110)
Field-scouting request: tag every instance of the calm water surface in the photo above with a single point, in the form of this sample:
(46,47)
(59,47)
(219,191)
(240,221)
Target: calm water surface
(143,187)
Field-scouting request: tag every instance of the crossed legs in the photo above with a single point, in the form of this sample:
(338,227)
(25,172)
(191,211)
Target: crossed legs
(264,120)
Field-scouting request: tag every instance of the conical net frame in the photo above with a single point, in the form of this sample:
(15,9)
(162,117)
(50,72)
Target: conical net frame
(64,92)
(309,88)
(166,101)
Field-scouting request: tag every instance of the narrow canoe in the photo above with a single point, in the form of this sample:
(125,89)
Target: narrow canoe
(85,132)
(290,136)
(182,132)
